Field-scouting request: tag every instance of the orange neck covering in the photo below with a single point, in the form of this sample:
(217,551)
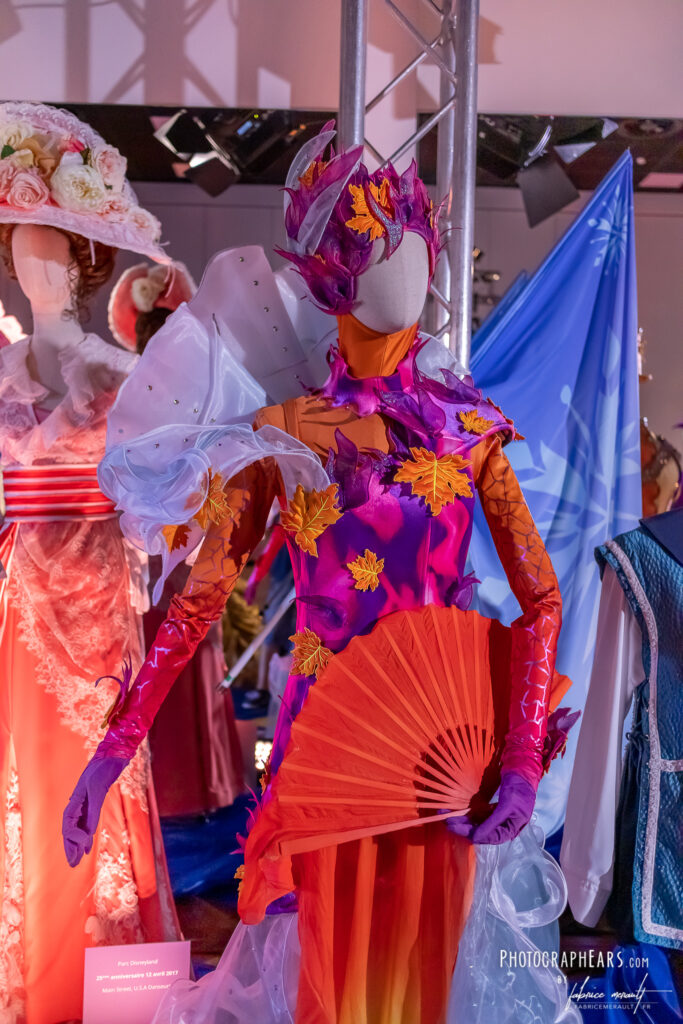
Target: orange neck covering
(370,353)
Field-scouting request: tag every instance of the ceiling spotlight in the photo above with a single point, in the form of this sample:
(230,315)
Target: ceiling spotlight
(213,172)
(546,188)
(217,154)
(571,147)
(183,134)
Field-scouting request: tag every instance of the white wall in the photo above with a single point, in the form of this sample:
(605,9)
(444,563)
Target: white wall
(197,226)
(619,57)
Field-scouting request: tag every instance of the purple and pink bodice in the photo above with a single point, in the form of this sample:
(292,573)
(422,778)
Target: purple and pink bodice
(421,547)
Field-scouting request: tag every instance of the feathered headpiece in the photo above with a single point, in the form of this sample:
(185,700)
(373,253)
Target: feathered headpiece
(335,210)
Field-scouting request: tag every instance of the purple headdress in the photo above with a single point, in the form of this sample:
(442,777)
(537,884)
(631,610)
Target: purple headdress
(335,210)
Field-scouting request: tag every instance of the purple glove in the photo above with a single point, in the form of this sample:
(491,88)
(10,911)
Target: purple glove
(82,812)
(513,811)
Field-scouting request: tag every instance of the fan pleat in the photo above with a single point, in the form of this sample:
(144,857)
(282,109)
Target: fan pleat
(413,722)
(398,731)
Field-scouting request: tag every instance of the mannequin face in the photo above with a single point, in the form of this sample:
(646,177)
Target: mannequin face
(391,293)
(41,257)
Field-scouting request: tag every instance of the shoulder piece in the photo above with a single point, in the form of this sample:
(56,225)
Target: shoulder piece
(183,419)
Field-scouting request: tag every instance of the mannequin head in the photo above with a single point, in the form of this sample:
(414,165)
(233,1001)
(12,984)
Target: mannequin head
(344,224)
(54,268)
(390,294)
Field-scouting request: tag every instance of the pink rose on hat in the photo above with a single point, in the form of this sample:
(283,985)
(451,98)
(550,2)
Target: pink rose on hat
(116,208)
(145,222)
(110,165)
(8,170)
(27,190)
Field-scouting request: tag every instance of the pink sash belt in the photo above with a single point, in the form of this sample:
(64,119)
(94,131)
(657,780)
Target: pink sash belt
(48,494)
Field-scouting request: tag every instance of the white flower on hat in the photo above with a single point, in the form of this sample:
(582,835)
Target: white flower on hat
(78,188)
(144,222)
(111,166)
(144,291)
(13,133)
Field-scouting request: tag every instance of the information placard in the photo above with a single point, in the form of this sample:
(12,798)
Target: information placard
(127,983)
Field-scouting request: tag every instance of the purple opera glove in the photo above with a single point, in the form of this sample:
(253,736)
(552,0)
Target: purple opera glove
(82,812)
(516,799)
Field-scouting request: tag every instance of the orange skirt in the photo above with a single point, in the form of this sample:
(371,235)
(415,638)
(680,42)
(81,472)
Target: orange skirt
(380,920)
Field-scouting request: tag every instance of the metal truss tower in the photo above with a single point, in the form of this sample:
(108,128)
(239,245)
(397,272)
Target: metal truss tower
(454,50)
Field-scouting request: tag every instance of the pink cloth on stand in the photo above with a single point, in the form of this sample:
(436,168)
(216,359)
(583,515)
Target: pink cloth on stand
(65,619)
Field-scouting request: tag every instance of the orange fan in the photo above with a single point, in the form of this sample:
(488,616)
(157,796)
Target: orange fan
(404,726)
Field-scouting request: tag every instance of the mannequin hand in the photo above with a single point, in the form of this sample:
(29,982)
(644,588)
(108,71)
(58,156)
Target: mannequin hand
(82,812)
(508,817)
(513,811)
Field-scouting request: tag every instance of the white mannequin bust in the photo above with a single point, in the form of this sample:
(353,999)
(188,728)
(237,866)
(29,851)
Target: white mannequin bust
(391,294)
(42,260)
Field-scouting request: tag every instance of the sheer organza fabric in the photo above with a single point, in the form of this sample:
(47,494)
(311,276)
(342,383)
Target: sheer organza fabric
(255,982)
(504,971)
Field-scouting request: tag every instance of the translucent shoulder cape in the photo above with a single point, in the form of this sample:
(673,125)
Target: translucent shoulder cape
(248,338)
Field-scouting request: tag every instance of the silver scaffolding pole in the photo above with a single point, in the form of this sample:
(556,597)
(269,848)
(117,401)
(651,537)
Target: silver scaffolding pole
(454,50)
(352,64)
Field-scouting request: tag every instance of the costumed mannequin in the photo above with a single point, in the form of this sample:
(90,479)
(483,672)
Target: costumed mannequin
(66,607)
(660,463)
(378,541)
(632,852)
(196,756)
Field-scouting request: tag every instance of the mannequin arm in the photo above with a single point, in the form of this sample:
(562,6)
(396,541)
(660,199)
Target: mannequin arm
(221,559)
(535,633)
(534,642)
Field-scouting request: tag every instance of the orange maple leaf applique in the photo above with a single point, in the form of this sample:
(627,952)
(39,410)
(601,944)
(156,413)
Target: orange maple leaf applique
(309,514)
(438,480)
(176,536)
(474,423)
(310,655)
(364,219)
(366,569)
(312,173)
(239,875)
(215,508)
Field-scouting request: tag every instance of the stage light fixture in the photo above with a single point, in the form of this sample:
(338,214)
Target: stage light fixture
(217,154)
(570,149)
(546,188)
(184,135)
(213,172)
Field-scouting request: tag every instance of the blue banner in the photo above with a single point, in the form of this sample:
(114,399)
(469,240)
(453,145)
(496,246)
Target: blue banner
(560,358)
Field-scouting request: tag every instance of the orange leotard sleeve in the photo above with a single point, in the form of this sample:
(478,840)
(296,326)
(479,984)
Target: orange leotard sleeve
(534,584)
